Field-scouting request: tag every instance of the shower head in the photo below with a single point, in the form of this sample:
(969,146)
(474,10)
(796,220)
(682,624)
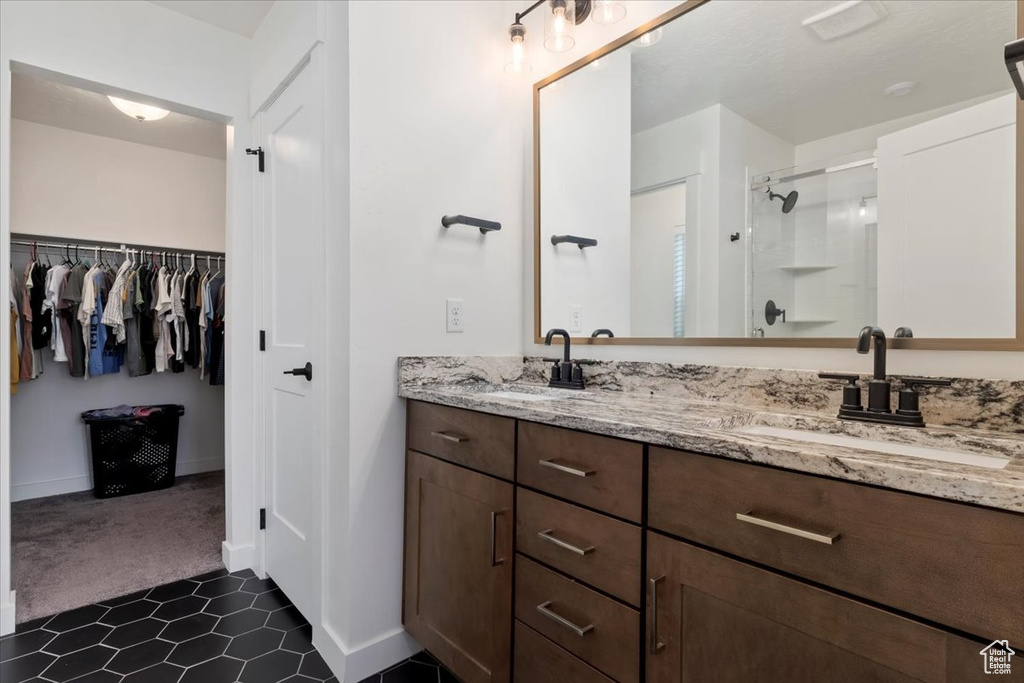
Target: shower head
(788,201)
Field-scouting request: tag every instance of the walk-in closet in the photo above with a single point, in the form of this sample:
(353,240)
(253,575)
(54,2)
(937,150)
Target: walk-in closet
(118,359)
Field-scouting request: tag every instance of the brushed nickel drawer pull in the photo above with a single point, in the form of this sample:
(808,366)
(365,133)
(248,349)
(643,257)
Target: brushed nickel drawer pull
(449,437)
(581,631)
(547,536)
(749,518)
(656,645)
(494,532)
(565,468)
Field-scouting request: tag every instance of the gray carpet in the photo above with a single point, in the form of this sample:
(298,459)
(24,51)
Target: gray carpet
(76,549)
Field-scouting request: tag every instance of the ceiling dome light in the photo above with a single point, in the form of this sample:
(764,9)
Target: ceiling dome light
(649,38)
(559,24)
(140,112)
(517,64)
(607,11)
(900,89)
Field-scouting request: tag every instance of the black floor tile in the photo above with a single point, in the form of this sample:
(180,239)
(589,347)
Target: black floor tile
(182,607)
(189,627)
(230,603)
(271,668)
(200,649)
(141,656)
(102,676)
(23,643)
(65,621)
(241,622)
(219,587)
(80,638)
(76,664)
(135,632)
(161,673)
(124,599)
(25,667)
(272,600)
(210,575)
(31,625)
(286,619)
(173,591)
(411,672)
(255,643)
(255,585)
(299,640)
(129,612)
(314,666)
(220,670)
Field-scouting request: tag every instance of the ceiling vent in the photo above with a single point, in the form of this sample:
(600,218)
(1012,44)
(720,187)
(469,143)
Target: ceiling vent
(846,18)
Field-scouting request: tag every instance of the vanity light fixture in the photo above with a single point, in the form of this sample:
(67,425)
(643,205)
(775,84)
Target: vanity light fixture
(517,64)
(608,11)
(559,24)
(140,112)
(649,38)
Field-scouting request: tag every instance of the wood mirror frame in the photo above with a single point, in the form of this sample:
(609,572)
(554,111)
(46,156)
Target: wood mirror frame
(949,344)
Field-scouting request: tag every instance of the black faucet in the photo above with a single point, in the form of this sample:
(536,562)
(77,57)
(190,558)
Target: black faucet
(879,388)
(564,374)
(601,330)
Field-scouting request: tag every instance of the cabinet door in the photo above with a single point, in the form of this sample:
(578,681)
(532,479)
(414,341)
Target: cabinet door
(458,567)
(716,619)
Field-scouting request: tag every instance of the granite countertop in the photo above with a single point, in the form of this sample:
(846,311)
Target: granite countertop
(719,428)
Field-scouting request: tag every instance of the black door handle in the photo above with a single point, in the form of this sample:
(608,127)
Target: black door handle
(305,371)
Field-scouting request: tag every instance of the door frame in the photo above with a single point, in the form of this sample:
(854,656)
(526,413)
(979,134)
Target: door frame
(314,63)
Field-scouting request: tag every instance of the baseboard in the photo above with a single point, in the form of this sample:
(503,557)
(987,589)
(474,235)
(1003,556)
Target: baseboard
(360,662)
(56,487)
(237,558)
(7,615)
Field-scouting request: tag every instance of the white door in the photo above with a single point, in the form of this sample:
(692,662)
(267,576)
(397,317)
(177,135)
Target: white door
(293,285)
(946,193)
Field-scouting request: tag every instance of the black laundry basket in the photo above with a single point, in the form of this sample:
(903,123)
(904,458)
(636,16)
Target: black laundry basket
(133,454)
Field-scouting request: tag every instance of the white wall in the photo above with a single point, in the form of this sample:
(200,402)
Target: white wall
(585,190)
(70,184)
(147,53)
(656,218)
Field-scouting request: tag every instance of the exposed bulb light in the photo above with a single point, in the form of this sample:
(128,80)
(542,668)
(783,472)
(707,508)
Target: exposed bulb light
(649,38)
(517,64)
(140,112)
(863,207)
(607,11)
(560,22)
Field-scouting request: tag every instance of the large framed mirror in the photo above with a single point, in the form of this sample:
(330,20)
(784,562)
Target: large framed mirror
(742,172)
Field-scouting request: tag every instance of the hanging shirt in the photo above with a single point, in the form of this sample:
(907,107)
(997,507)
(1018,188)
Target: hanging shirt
(113,316)
(54,284)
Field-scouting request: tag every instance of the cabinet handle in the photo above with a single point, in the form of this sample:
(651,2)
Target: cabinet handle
(565,468)
(656,645)
(749,518)
(449,437)
(547,536)
(581,631)
(494,533)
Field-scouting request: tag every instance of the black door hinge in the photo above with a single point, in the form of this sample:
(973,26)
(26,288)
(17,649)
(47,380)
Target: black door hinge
(263,340)
(259,153)
(263,518)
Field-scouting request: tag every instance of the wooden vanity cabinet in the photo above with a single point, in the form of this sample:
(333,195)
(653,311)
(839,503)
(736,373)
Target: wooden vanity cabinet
(712,618)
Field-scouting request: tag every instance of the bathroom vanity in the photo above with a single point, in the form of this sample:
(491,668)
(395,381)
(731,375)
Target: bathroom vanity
(558,536)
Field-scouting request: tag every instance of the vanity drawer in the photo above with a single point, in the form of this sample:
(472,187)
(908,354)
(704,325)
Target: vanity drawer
(955,564)
(538,660)
(599,550)
(478,441)
(597,471)
(600,631)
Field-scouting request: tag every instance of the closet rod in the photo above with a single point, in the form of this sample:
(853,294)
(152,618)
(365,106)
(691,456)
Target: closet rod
(50,242)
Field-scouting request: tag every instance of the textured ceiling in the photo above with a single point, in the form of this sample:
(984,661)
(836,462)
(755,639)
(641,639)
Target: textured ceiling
(238,16)
(755,58)
(64,106)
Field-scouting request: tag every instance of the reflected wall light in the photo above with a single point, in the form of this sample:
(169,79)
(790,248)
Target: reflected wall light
(139,112)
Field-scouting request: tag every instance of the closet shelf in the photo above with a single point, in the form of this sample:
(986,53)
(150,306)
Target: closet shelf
(807,268)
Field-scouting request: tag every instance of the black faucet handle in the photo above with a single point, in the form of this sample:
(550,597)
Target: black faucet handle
(912,382)
(552,360)
(852,379)
(585,361)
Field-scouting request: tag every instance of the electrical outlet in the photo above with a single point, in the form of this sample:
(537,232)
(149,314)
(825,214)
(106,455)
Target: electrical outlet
(576,324)
(456,316)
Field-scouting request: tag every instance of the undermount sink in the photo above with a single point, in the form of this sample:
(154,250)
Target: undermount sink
(962,457)
(520,396)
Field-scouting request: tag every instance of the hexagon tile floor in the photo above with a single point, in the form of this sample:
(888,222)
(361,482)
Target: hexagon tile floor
(214,628)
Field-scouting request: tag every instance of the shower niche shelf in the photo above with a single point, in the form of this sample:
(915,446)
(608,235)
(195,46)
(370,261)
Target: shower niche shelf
(807,268)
